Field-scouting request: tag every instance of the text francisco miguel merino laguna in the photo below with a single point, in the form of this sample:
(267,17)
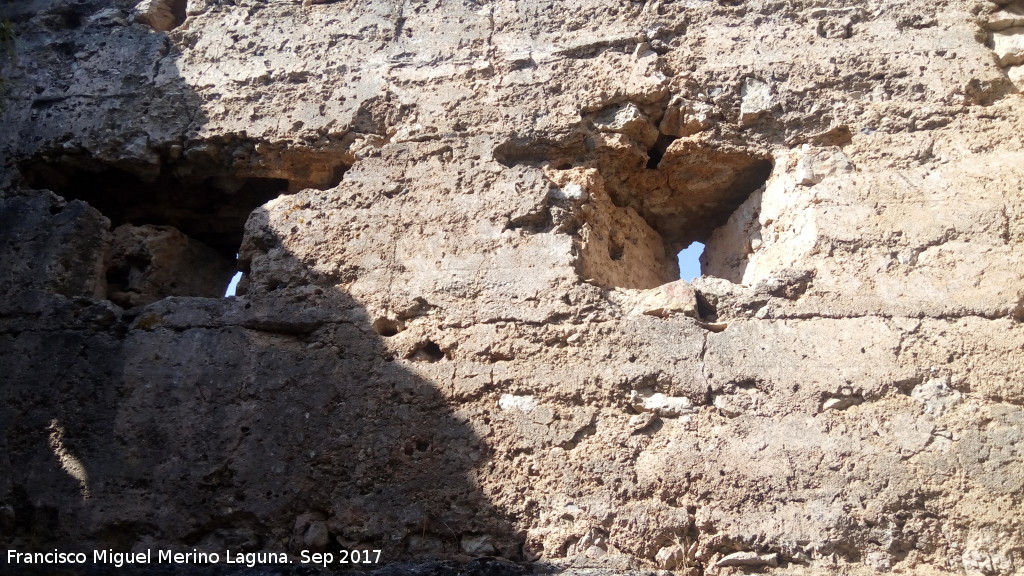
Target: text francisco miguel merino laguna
(119,559)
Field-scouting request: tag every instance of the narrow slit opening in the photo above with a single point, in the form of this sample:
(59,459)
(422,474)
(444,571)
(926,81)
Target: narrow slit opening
(233,285)
(689,261)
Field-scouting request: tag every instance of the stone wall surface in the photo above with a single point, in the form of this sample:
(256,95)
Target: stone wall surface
(460,331)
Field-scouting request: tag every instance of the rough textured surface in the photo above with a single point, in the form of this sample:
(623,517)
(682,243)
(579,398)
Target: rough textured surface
(460,331)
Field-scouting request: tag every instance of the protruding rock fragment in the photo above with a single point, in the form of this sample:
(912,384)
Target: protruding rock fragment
(936,396)
(477,545)
(160,15)
(1018,310)
(317,535)
(668,299)
(748,559)
(757,99)
(817,164)
(1009,46)
(660,404)
(642,420)
(108,16)
(524,404)
(1016,75)
(840,403)
(685,117)
(1009,17)
(670,557)
(629,121)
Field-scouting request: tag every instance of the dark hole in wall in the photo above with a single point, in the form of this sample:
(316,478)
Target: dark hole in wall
(387,327)
(176,225)
(70,17)
(426,352)
(524,150)
(67,16)
(66,50)
(179,8)
(209,208)
(615,250)
(693,216)
(683,189)
(706,309)
(657,152)
(691,193)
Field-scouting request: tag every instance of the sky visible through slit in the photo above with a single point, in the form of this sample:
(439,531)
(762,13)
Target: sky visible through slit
(689,261)
(233,285)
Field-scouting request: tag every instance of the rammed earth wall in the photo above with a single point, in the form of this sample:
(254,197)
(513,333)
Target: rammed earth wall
(459,332)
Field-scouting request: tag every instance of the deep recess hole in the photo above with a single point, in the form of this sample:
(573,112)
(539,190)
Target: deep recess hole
(176,226)
(70,17)
(211,208)
(179,8)
(530,151)
(676,195)
(426,352)
(388,327)
(657,152)
(715,186)
(665,213)
(616,250)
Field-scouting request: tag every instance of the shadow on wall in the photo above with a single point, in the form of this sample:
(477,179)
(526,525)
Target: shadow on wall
(276,422)
(283,424)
